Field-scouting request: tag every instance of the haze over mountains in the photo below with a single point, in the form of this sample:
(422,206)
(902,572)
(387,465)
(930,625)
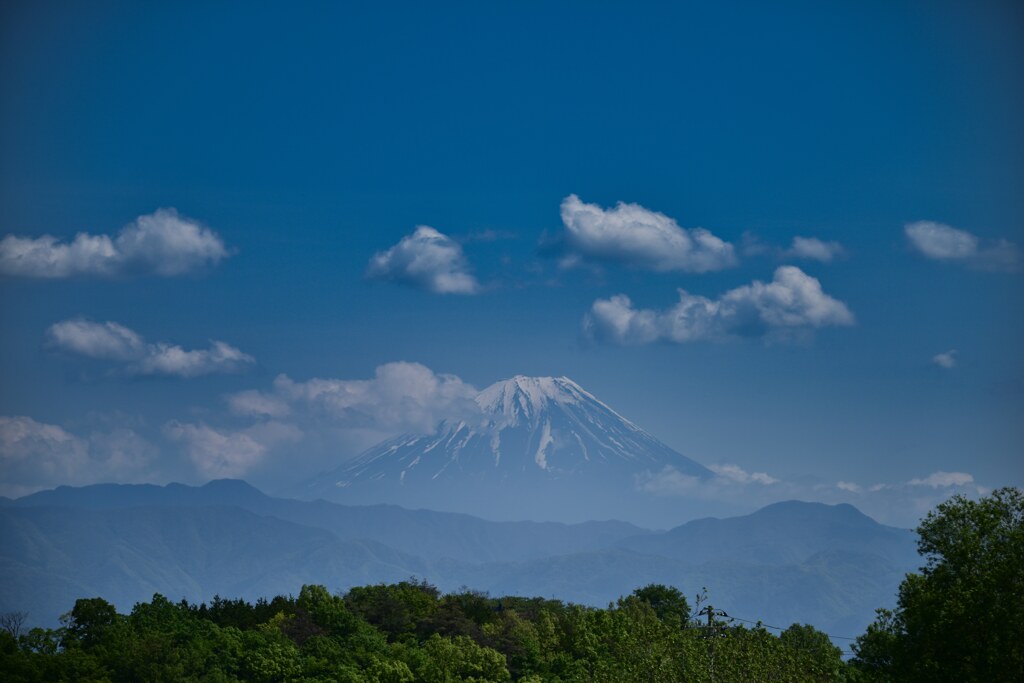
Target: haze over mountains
(538,449)
(541,448)
(826,565)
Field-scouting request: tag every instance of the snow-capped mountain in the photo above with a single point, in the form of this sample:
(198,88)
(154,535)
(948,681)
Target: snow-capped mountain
(534,438)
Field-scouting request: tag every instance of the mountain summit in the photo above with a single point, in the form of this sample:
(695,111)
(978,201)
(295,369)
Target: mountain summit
(539,447)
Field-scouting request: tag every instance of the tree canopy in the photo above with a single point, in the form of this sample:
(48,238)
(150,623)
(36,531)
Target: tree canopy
(962,617)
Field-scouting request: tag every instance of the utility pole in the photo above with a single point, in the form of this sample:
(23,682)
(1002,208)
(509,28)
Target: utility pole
(711,613)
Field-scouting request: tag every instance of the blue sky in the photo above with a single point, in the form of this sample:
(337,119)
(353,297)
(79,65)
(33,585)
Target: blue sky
(301,147)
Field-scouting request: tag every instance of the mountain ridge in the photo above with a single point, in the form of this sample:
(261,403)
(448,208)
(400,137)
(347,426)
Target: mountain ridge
(68,543)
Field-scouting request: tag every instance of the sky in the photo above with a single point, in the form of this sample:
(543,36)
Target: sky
(251,239)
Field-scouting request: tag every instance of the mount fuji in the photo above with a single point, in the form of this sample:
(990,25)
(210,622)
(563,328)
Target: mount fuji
(540,448)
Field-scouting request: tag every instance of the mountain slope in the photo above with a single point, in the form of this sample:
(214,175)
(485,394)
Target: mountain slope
(51,556)
(781,533)
(836,591)
(825,565)
(432,535)
(542,448)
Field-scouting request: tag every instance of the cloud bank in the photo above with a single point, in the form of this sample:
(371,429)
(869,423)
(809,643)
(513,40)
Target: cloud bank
(946,360)
(792,301)
(35,455)
(161,243)
(426,259)
(941,242)
(225,453)
(400,397)
(635,236)
(334,418)
(110,341)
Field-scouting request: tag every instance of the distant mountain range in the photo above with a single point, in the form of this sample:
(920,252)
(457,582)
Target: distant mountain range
(540,448)
(830,566)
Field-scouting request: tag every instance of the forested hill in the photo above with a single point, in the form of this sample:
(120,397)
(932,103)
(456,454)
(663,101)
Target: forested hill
(407,632)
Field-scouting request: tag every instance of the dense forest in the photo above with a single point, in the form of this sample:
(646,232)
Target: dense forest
(961,618)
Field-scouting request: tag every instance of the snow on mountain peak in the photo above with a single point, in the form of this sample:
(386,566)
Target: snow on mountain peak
(530,396)
(535,430)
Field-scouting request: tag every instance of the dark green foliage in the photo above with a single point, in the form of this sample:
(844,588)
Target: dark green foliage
(962,617)
(406,633)
(668,602)
(394,609)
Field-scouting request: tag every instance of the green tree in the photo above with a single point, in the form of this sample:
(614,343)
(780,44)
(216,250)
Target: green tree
(668,602)
(813,652)
(395,609)
(88,621)
(962,618)
(459,660)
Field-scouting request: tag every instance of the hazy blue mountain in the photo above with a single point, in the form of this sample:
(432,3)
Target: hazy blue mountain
(781,533)
(51,556)
(826,565)
(836,591)
(425,533)
(541,448)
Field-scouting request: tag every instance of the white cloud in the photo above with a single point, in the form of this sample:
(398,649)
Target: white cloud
(791,302)
(35,455)
(426,259)
(946,359)
(113,342)
(670,482)
(814,249)
(636,236)
(739,475)
(218,454)
(943,480)
(400,397)
(160,243)
(107,341)
(944,243)
(254,403)
(731,483)
(901,503)
(338,418)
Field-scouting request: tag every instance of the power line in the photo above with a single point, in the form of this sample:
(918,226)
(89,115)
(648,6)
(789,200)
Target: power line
(779,628)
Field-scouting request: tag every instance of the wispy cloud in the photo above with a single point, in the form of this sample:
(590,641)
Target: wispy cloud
(254,403)
(741,476)
(901,503)
(219,453)
(941,242)
(946,359)
(111,341)
(426,259)
(943,480)
(633,235)
(814,249)
(36,455)
(731,484)
(792,301)
(805,248)
(161,243)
